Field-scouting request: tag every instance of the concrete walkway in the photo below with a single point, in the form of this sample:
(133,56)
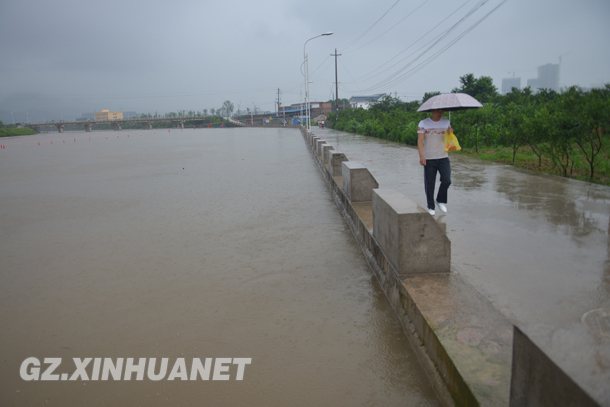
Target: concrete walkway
(536,246)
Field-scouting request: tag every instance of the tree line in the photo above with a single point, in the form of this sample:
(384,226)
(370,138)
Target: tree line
(562,131)
(226,110)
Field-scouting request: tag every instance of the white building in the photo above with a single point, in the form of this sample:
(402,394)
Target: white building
(365,102)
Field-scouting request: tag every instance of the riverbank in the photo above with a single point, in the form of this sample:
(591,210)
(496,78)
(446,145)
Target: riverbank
(16,131)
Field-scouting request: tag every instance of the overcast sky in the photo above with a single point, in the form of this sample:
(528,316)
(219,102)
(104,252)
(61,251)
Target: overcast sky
(62,58)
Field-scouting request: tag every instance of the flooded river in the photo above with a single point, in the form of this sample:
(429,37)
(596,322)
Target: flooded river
(192,243)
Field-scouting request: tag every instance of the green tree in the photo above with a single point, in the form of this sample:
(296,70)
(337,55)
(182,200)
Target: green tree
(513,126)
(227,108)
(563,128)
(474,126)
(482,88)
(536,131)
(428,95)
(387,103)
(593,111)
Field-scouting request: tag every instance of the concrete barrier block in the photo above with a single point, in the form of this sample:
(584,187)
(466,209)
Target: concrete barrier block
(321,148)
(326,149)
(358,183)
(318,146)
(334,163)
(314,139)
(537,381)
(409,237)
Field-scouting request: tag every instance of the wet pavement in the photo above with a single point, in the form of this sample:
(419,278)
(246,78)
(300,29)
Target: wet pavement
(191,243)
(536,246)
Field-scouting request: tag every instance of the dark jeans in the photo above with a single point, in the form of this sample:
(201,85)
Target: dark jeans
(442,166)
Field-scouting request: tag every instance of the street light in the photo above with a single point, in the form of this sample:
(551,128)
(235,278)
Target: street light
(306,74)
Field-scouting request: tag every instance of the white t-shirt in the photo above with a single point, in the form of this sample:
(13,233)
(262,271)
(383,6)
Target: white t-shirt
(434,137)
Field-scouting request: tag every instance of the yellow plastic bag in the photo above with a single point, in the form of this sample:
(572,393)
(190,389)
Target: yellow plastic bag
(451,142)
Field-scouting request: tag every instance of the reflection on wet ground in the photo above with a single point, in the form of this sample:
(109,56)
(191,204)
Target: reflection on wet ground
(535,245)
(192,243)
(468,176)
(552,198)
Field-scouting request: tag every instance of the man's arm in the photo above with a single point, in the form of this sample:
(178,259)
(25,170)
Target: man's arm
(420,146)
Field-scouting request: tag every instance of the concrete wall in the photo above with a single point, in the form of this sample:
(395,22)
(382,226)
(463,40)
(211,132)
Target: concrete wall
(326,149)
(409,237)
(410,255)
(538,381)
(318,146)
(430,352)
(334,166)
(358,183)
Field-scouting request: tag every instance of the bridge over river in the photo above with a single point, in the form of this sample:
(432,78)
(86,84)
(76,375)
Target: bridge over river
(228,243)
(148,122)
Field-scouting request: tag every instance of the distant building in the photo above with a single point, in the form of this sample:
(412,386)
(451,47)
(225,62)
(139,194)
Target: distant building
(130,115)
(318,108)
(548,78)
(298,109)
(533,83)
(105,115)
(365,102)
(509,83)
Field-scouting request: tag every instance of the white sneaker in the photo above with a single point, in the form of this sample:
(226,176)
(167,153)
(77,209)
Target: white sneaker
(442,207)
(431,211)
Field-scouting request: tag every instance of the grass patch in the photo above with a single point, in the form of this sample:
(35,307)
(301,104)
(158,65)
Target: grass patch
(16,131)
(525,158)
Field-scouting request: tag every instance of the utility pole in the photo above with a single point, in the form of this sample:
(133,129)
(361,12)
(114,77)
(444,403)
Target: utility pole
(336,81)
(277,113)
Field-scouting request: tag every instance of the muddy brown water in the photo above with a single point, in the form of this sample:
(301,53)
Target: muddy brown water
(190,243)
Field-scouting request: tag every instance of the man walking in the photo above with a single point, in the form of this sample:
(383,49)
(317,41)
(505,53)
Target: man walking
(434,158)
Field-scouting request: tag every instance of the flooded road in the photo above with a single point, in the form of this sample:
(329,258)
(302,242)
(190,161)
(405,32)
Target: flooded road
(190,243)
(536,246)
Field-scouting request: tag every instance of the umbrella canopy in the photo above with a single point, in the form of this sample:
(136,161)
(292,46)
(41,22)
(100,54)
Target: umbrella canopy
(449,101)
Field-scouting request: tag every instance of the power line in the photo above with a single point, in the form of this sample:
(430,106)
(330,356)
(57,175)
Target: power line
(405,69)
(395,24)
(372,25)
(379,69)
(321,65)
(434,41)
(441,51)
(432,57)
